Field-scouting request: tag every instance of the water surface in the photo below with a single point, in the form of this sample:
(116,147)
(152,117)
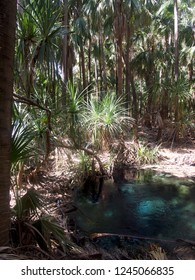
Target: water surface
(157,206)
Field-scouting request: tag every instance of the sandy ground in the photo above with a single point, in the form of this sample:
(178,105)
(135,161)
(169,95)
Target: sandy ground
(177,162)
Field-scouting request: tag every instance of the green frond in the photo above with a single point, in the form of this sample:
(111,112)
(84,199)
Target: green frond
(27,205)
(146,155)
(49,229)
(21,142)
(106,118)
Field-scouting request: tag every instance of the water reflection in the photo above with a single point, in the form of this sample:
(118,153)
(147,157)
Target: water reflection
(156,206)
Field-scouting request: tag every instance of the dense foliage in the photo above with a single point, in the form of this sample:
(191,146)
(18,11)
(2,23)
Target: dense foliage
(141,50)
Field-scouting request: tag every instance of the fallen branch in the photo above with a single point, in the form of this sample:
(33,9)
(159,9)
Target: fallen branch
(98,235)
(190,242)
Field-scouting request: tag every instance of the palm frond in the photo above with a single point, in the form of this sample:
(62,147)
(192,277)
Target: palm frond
(22,142)
(27,204)
(106,118)
(49,229)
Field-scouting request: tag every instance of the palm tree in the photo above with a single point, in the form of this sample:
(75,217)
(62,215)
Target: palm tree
(7,41)
(39,35)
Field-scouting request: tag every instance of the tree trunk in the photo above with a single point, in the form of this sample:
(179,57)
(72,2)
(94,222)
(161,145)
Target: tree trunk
(65,55)
(7,42)
(176,47)
(176,40)
(134,107)
(102,54)
(102,65)
(83,66)
(166,97)
(127,62)
(119,33)
(149,86)
(100,69)
(119,72)
(89,70)
(190,71)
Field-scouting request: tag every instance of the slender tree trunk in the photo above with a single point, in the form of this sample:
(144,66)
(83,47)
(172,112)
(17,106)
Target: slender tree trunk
(165,98)
(176,40)
(7,42)
(149,86)
(83,66)
(127,62)
(96,78)
(135,103)
(119,30)
(190,71)
(150,80)
(89,70)
(176,47)
(52,87)
(102,65)
(65,55)
(103,61)
(100,69)
(134,107)
(119,72)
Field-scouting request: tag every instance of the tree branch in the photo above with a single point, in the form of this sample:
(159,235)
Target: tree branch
(87,151)
(28,101)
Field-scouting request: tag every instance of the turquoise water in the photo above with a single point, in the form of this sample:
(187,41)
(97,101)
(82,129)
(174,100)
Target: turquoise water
(157,206)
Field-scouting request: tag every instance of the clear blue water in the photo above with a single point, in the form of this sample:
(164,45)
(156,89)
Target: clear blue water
(158,206)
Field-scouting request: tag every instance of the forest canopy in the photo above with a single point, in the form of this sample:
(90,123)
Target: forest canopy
(143,51)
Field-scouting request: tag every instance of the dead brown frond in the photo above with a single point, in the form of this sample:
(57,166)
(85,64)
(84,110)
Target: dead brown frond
(185,250)
(156,252)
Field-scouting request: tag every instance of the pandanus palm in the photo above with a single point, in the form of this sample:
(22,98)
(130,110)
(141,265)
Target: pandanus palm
(39,35)
(106,119)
